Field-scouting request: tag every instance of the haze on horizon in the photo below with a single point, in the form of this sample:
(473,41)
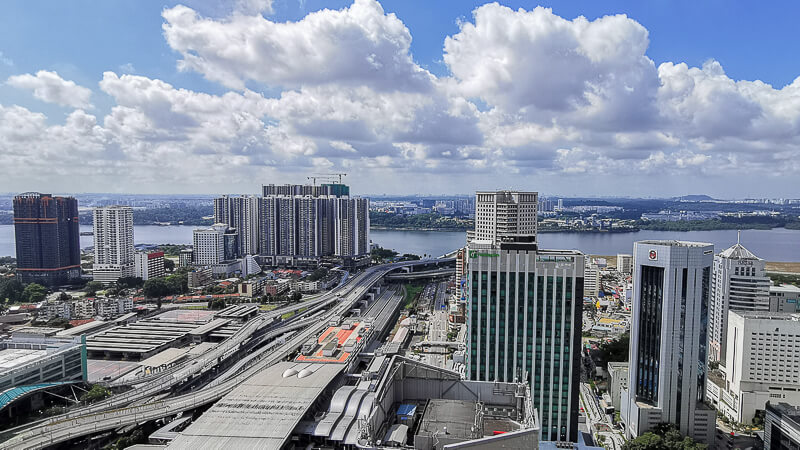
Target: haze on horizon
(618,99)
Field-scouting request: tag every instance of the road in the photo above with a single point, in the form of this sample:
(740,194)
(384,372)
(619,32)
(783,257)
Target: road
(599,420)
(437,325)
(95,418)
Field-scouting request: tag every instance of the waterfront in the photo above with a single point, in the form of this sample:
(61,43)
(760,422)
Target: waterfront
(777,244)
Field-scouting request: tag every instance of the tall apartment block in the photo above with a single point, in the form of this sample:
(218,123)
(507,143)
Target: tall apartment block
(524,309)
(241,213)
(47,237)
(669,339)
(113,244)
(308,222)
(740,283)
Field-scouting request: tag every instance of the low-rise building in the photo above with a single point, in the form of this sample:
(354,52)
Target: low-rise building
(82,309)
(784,298)
(109,308)
(277,287)
(624,263)
(55,310)
(762,363)
(199,277)
(781,426)
(28,359)
(253,287)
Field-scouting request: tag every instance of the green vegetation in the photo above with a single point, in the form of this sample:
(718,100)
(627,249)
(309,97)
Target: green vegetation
(411,257)
(431,221)
(169,265)
(663,437)
(7,260)
(318,274)
(34,293)
(216,304)
(174,214)
(723,223)
(174,284)
(380,254)
(172,250)
(92,288)
(97,392)
(777,278)
(615,350)
(10,290)
(412,292)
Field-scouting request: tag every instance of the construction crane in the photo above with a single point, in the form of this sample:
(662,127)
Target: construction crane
(331,177)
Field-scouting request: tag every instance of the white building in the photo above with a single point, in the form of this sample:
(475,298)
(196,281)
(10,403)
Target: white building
(762,363)
(669,335)
(784,298)
(505,215)
(624,263)
(50,311)
(149,265)
(209,245)
(739,284)
(113,244)
(109,308)
(618,381)
(185,257)
(591,280)
(82,309)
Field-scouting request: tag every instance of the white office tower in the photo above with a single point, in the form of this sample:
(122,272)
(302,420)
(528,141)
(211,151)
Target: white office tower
(209,245)
(762,363)
(624,263)
(591,280)
(740,283)
(113,244)
(669,339)
(243,214)
(506,215)
(524,310)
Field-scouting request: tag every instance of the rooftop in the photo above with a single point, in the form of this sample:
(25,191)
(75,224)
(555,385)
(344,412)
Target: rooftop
(458,419)
(15,357)
(674,243)
(760,315)
(737,251)
(263,411)
(786,288)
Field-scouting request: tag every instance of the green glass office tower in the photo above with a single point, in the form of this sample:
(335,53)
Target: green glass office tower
(524,316)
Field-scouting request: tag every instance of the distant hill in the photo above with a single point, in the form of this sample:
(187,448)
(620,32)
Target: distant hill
(693,198)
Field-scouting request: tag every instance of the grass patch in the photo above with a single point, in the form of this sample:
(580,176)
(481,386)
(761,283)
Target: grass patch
(267,307)
(412,292)
(782,278)
(196,307)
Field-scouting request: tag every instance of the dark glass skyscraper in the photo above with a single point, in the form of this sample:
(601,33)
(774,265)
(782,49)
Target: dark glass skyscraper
(47,235)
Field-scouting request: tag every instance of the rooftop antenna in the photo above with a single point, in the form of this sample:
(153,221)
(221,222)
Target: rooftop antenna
(739,237)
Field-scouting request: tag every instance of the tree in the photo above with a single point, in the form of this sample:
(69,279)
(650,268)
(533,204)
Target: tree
(10,290)
(34,293)
(296,296)
(97,392)
(615,350)
(130,283)
(156,287)
(92,287)
(411,257)
(664,436)
(169,265)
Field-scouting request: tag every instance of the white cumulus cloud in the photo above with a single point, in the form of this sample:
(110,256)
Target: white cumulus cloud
(50,87)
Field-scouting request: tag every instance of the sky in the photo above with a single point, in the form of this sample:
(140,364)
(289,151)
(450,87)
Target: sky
(570,98)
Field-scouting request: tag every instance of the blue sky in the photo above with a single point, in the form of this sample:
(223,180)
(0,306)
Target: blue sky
(81,41)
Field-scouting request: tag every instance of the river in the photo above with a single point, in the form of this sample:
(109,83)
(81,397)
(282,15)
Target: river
(777,244)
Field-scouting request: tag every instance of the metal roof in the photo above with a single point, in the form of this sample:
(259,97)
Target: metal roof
(263,411)
(737,251)
(166,357)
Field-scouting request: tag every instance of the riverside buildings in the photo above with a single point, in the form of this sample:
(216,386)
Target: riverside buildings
(113,244)
(668,343)
(149,265)
(47,239)
(524,309)
(296,224)
(740,283)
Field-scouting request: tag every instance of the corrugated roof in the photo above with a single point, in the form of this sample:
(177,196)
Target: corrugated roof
(738,251)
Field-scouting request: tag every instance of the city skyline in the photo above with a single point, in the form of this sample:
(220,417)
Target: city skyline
(408,98)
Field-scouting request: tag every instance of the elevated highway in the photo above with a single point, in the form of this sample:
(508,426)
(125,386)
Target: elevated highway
(117,412)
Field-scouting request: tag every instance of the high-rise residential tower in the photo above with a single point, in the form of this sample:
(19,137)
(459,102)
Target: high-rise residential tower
(524,310)
(300,222)
(669,339)
(47,236)
(243,214)
(740,283)
(113,244)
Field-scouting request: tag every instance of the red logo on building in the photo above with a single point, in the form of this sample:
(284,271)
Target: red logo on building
(653,255)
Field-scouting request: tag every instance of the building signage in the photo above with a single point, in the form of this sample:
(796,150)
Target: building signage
(474,254)
(653,255)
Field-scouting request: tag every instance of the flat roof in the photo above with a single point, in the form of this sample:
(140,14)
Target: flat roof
(795,317)
(457,416)
(206,328)
(201,348)
(166,357)
(81,329)
(186,315)
(785,288)
(263,411)
(15,357)
(97,369)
